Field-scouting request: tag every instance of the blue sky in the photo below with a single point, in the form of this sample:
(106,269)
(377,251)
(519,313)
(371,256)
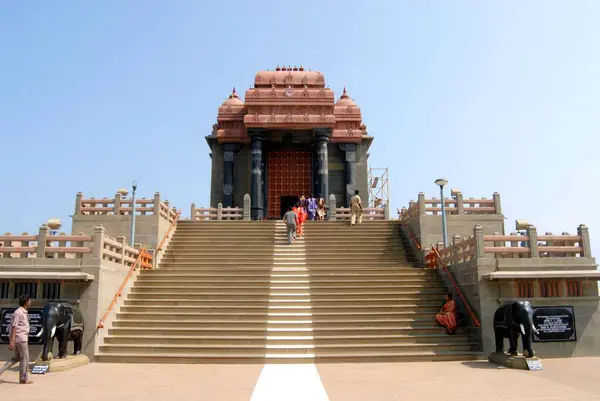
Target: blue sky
(495,96)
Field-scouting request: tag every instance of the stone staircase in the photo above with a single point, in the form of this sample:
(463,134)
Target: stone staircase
(235,292)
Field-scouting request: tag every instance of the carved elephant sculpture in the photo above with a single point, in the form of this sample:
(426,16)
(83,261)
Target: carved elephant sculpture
(62,321)
(512,320)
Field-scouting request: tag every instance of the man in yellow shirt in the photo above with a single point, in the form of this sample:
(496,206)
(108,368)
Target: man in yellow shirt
(356,209)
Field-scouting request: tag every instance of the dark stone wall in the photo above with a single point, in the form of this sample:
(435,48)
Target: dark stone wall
(337,173)
(362,172)
(216,176)
(241,175)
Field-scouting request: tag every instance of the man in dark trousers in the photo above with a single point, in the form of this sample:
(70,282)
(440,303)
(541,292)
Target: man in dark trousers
(291,220)
(19,336)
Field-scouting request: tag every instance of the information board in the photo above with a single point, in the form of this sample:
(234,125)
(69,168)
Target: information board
(554,323)
(39,369)
(35,325)
(534,364)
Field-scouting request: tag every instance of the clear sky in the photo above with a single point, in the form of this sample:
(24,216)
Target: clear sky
(495,96)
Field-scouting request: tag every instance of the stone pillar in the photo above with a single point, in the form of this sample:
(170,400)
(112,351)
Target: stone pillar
(247,207)
(460,206)
(193,212)
(257,137)
(421,203)
(479,241)
(321,141)
(123,241)
(386,211)
(42,241)
(117,205)
(584,232)
(497,203)
(219,211)
(156,205)
(533,241)
(332,208)
(229,150)
(98,247)
(78,198)
(350,149)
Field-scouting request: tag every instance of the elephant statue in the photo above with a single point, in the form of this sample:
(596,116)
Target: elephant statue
(63,321)
(513,319)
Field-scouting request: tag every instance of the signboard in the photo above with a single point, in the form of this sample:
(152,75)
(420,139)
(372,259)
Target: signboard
(35,324)
(39,369)
(534,364)
(554,323)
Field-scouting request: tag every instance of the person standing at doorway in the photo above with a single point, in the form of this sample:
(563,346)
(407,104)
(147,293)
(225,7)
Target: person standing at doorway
(356,209)
(321,209)
(290,219)
(312,207)
(19,336)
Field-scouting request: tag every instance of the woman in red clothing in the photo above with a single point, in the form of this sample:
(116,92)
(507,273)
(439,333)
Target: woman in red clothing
(302,216)
(447,315)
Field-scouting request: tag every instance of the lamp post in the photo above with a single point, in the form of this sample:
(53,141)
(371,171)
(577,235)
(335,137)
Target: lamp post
(441,183)
(134,187)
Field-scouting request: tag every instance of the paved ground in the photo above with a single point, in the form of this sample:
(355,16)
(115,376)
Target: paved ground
(562,379)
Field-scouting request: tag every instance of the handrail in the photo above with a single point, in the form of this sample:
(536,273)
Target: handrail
(412,236)
(160,246)
(141,255)
(455,285)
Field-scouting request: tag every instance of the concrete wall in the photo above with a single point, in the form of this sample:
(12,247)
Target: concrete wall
(430,227)
(485,296)
(149,229)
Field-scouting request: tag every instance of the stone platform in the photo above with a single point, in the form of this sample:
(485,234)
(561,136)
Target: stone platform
(61,365)
(573,379)
(511,361)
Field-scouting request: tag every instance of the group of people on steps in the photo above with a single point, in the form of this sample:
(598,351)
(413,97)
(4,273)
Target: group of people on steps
(312,208)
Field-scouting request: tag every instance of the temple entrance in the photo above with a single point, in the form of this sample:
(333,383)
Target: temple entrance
(289,175)
(286,202)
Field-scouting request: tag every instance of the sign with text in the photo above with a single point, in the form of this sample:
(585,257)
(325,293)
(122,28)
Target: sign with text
(554,323)
(534,364)
(35,325)
(39,369)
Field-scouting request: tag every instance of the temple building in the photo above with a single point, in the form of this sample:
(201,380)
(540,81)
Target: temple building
(289,136)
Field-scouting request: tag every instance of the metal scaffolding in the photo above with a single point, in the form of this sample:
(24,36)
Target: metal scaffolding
(379,187)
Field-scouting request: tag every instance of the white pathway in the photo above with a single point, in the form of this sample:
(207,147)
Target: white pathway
(290,382)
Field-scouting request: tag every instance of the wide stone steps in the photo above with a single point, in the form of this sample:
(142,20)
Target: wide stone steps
(273,358)
(279,340)
(235,292)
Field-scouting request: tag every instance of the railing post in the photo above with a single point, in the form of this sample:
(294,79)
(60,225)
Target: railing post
(386,211)
(479,241)
(460,206)
(456,238)
(98,248)
(332,208)
(533,241)
(193,212)
(24,244)
(421,203)
(219,211)
(584,233)
(42,241)
(247,205)
(497,203)
(156,204)
(123,241)
(78,198)
(117,204)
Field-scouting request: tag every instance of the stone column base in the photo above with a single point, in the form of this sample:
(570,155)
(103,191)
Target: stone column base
(511,361)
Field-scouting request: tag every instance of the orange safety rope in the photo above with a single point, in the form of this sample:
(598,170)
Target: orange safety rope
(455,285)
(142,260)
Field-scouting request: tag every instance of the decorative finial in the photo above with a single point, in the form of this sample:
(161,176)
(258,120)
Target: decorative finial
(344,94)
(233,94)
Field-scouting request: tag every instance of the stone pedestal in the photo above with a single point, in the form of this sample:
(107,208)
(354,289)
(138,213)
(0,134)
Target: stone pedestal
(510,361)
(61,365)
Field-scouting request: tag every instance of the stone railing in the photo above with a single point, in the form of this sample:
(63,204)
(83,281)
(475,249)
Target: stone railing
(517,246)
(61,246)
(454,206)
(343,213)
(220,212)
(120,206)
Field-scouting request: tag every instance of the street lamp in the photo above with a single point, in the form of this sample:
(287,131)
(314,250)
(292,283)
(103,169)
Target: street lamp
(441,183)
(134,187)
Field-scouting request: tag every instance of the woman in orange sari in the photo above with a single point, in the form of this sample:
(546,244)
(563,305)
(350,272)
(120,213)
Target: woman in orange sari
(302,215)
(448,314)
